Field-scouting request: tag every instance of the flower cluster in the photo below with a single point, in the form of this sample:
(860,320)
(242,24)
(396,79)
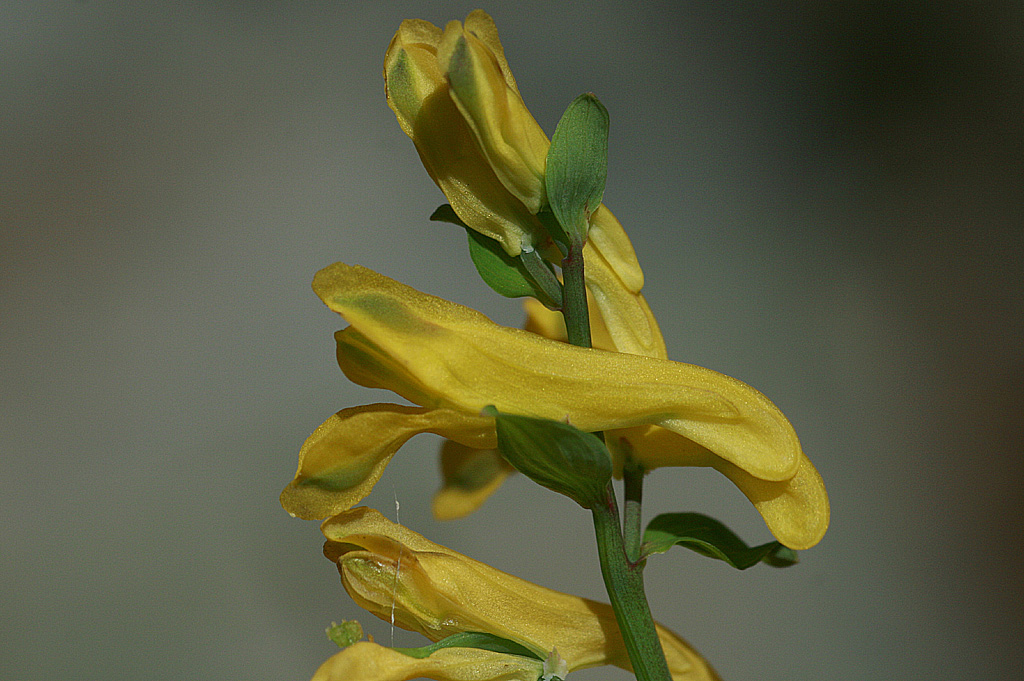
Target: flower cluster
(454,95)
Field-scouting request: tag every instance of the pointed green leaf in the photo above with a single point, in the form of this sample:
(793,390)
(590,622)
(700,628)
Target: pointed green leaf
(471,639)
(555,455)
(577,165)
(711,538)
(507,276)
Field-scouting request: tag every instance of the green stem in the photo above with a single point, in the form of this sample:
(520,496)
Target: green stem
(542,275)
(623,575)
(574,297)
(625,584)
(633,491)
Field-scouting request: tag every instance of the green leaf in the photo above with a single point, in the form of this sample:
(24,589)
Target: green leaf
(471,639)
(506,275)
(346,633)
(711,538)
(577,165)
(555,455)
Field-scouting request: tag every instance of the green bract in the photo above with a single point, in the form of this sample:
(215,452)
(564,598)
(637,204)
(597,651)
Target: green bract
(555,455)
(577,165)
(526,274)
(472,639)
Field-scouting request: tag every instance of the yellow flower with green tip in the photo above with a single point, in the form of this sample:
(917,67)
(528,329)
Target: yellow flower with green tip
(452,361)
(389,569)
(486,94)
(417,91)
(454,95)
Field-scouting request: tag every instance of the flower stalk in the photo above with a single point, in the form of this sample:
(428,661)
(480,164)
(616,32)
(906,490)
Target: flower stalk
(624,581)
(622,572)
(633,492)
(574,297)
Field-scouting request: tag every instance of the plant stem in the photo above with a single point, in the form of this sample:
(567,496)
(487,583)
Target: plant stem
(633,491)
(574,297)
(625,584)
(623,575)
(541,272)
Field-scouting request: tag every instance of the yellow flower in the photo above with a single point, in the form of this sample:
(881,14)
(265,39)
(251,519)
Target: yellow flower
(365,661)
(454,95)
(387,568)
(453,361)
(469,477)
(418,92)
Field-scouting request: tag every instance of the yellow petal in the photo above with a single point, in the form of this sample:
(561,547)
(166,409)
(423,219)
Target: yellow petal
(439,592)
(343,458)
(627,317)
(795,510)
(470,477)
(480,24)
(466,362)
(418,94)
(365,661)
(609,239)
(511,140)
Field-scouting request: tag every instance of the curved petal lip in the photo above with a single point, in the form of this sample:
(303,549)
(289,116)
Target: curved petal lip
(467,361)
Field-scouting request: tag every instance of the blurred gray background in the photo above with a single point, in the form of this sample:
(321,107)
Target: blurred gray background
(825,197)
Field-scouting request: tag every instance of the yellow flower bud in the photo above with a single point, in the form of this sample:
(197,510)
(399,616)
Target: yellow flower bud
(417,91)
(454,95)
(470,476)
(483,89)
(437,592)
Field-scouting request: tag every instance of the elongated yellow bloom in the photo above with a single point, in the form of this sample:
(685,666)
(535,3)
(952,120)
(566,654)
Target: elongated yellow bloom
(453,361)
(366,661)
(439,592)
(441,354)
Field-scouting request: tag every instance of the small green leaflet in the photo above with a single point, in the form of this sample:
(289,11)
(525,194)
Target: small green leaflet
(508,276)
(555,455)
(470,639)
(577,165)
(711,538)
